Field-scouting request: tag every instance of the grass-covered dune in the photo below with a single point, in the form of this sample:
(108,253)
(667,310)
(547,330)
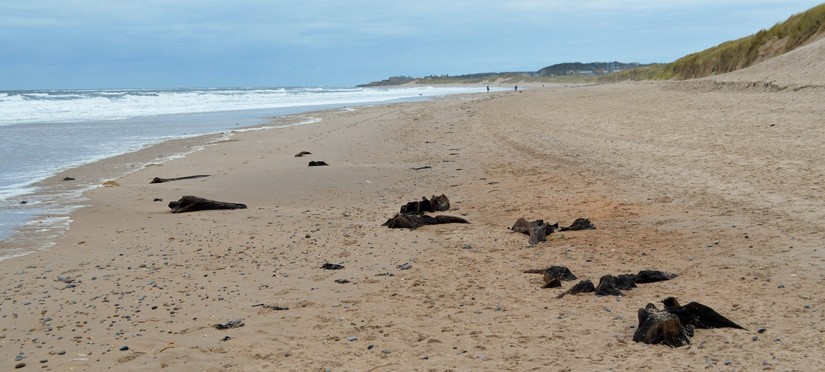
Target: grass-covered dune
(729,56)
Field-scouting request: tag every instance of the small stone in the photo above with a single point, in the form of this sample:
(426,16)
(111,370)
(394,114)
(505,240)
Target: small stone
(425,357)
(728,362)
(19,365)
(754,338)
(44,360)
(61,352)
(370,346)
(405,266)
(468,246)
(18,358)
(386,351)
(124,348)
(761,330)
(352,338)
(781,286)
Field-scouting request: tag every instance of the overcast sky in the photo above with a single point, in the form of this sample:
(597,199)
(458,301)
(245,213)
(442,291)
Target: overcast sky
(258,43)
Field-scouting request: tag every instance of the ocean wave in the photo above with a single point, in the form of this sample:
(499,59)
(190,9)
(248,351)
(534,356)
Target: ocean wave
(58,106)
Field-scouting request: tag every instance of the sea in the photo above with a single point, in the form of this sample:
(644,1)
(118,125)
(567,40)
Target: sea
(45,132)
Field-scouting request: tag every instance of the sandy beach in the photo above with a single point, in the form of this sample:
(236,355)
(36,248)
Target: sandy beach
(721,185)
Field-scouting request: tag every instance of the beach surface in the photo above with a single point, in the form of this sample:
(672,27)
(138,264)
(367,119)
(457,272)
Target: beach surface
(721,186)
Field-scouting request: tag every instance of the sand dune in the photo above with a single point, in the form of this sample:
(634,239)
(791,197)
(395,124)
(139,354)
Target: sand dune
(798,69)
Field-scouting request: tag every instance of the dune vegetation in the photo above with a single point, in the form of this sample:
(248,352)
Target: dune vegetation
(729,56)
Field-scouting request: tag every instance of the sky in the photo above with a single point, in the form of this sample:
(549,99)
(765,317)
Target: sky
(89,44)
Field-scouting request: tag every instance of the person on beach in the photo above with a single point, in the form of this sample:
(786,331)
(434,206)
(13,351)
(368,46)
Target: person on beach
(516,88)
(488,89)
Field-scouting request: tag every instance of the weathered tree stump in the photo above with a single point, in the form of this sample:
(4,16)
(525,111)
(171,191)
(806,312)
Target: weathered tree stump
(162,180)
(584,286)
(302,154)
(698,315)
(414,221)
(652,276)
(579,224)
(608,286)
(661,327)
(235,323)
(553,275)
(626,281)
(331,266)
(538,230)
(317,163)
(193,203)
(434,204)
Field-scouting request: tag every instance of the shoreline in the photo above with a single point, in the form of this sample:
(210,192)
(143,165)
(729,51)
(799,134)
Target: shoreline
(57,200)
(666,184)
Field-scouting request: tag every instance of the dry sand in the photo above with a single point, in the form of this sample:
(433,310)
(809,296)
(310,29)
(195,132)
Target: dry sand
(723,187)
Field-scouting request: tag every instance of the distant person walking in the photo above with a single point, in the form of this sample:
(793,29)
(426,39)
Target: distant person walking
(516,88)
(488,89)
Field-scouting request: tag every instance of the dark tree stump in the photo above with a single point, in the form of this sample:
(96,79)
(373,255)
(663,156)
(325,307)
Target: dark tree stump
(661,327)
(538,234)
(652,276)
(193,203)
(331,266)
(230,324)
(608,286)
(414,221)
(434,204)
(698,315)
(317,163)
(584,286)
(553,275)
(626,281)
(302,154)
(162,180)
(579,224)
(538,230)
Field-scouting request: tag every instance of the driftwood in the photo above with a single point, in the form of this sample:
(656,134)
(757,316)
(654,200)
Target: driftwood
(661,327)
(537,230)
(652,276)
(162,180)
(230,324)
(579,224)
(302,153)
(698,315)
(331,266)
(675,324)
(610,285)
(414,221)
(193,203)
(412,214)
(553,275)
(271,307)
(434,204)
(584,286)
(317,163)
